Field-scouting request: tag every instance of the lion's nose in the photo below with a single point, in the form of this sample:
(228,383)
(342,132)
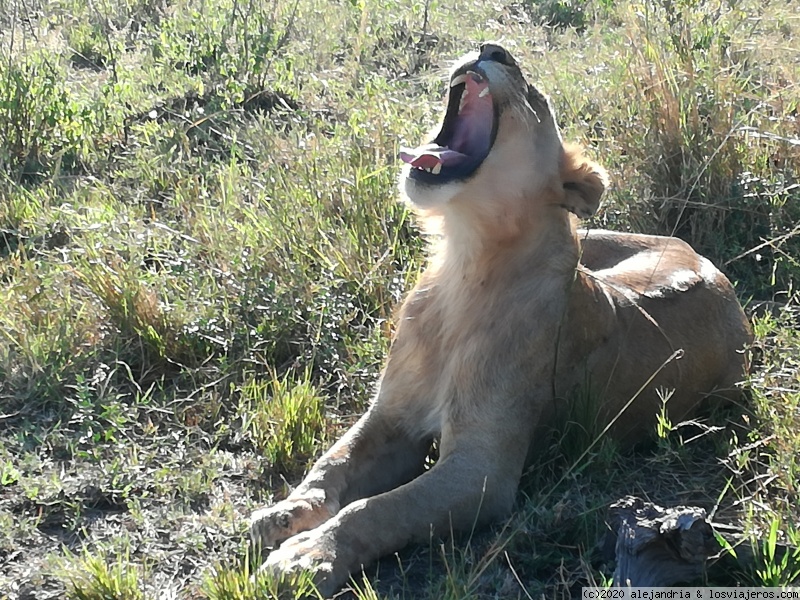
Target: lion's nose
(495,53)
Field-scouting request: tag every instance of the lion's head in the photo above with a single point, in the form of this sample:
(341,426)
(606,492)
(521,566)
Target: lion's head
(498,151)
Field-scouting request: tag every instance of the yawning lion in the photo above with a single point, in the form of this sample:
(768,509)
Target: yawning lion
(516,315)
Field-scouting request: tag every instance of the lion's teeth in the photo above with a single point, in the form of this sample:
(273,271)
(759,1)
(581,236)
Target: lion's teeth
(463,101)
(437,169)
(484,91)
(458,80)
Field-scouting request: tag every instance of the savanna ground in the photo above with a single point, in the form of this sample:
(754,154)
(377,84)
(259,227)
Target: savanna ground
(200,249)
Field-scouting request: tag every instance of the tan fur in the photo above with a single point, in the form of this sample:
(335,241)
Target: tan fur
(501,332)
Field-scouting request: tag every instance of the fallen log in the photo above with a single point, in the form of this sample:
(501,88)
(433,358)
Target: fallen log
(660,547)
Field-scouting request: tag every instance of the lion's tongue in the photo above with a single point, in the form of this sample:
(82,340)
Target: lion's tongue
(430,155)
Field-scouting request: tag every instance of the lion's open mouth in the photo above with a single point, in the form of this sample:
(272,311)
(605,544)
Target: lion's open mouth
(466,136)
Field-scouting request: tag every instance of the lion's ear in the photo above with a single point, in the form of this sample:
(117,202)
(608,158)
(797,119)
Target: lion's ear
(584,182)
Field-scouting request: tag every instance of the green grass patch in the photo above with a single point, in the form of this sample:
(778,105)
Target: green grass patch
(284,421)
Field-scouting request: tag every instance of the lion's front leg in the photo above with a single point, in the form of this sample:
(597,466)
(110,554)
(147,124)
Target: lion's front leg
(474,482)
(372,457)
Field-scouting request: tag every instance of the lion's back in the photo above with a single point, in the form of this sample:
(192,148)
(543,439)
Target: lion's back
(651,308)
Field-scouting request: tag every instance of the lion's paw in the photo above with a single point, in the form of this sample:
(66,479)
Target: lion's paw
(308,552)
(272,525)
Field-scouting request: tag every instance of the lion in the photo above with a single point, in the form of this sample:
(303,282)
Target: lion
(516,313)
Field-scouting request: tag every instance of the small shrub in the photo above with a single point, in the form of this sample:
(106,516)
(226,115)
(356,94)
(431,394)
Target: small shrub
(778,566)
(561,13)
(232,583)
(42,125)
(284,420)
(151,334)
(95,577)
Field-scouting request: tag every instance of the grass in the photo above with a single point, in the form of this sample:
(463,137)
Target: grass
(200,251)
(97,577)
